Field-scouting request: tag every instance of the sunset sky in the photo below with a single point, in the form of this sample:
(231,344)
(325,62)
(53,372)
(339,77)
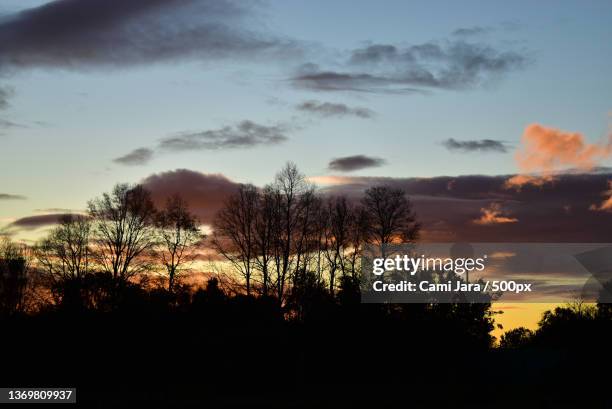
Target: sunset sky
(447,100)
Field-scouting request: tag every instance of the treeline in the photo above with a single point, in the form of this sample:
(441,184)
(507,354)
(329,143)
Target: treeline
(283,241)
(576,325)
(87,260)
(288,236)
(292,250)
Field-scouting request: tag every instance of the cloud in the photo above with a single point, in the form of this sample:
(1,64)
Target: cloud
(57,210)
(205,193)
(493,215)
(471,31)
(310,77)
(244,134)
(447,206)
(140,156)
(482,145)
(328,109)
(547,151)
(518,181)
(35,222)
(606,205)
(85,34)
(356,162)
(389,68)
(5,94)
(5,124)
(7,196)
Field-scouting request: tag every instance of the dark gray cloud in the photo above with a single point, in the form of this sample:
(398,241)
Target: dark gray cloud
(471,31)
(482,145)
(447,207)
(7,196)
(311,77)
(140,156)
(356,162)
(35,222)
(205,193)
(388,68)
(83,34)
(329,109)
(244,134)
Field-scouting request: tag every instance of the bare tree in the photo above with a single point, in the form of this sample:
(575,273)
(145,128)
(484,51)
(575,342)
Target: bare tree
(14,268)
(267,226)
(390,216)
(283,233)
(66,252)
(269,231)
(234,231)
(336,233)
(344,231)
(357,238)
(294,199)
(178,235)
(124,230)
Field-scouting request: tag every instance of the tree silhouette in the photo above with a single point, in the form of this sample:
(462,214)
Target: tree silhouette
(14,268)
(124,230)
(65,260)
(390,216)
(66,252)
(294,199)
(516,338)
(178,234)
(234,232)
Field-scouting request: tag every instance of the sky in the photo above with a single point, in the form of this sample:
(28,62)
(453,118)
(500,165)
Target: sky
(493,116)
(72,119)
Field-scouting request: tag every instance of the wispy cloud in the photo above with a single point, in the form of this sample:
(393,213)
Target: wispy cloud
(390,68)
(5,94)
(472,31)
(356,162)
(329,109)
(482,145)
(7,196)
(58,210)
(241,135)
(6,124)
(244,134)
(140,156)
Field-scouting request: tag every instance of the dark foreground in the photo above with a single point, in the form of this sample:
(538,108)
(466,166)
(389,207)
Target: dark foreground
(239,359)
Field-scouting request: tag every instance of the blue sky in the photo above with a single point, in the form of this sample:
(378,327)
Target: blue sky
(75,121)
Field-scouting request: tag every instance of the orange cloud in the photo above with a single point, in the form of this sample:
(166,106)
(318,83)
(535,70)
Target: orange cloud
(330,180)
(546,151)
(493,215)
(519,181)
(606,206)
